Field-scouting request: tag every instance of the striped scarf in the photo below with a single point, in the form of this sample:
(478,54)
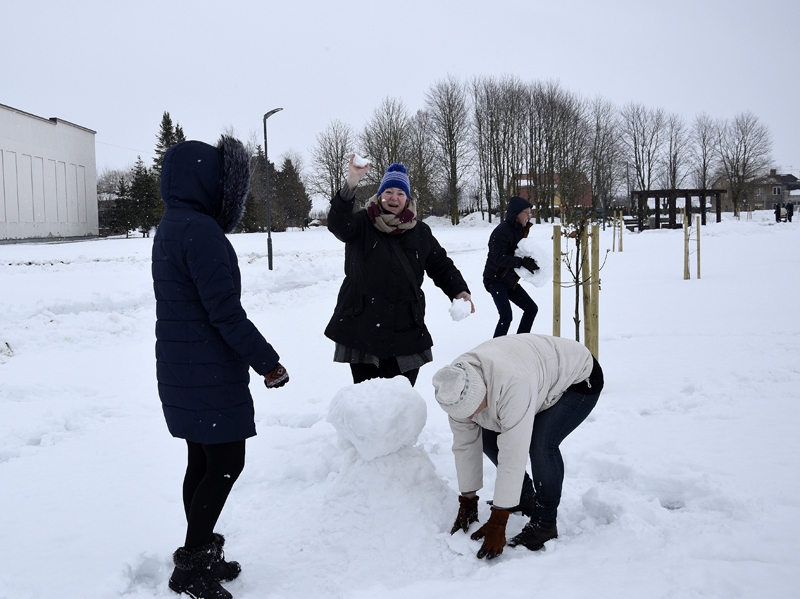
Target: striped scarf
(391,224)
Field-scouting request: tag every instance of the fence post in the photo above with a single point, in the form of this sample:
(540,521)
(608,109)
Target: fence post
(595,305)
(584,268)
(686,274)
(614,233)
(698,247)
(556,280)
(621,226)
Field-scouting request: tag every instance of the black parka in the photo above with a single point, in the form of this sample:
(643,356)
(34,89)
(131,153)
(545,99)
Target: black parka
(377,310)
(503,242)
(205,343)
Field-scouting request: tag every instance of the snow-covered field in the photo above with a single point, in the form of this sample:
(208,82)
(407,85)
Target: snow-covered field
(683,483)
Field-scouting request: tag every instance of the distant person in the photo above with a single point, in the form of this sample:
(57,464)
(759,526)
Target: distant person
(789,211)
(511,398)
(778,212)
(499,278)
(378,323)
(205,346)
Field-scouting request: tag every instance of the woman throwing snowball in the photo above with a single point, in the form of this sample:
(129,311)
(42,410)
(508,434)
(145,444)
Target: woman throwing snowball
(378,323)
(499,277)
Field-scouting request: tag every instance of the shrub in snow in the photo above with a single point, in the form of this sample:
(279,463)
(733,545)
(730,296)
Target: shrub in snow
(543,257)
(378,416)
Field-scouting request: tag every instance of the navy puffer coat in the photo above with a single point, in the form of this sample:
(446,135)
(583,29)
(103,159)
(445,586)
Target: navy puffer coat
(503,242)
(205,343)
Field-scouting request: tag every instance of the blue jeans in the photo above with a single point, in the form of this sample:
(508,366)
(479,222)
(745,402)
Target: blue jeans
(503,298)
(550,428)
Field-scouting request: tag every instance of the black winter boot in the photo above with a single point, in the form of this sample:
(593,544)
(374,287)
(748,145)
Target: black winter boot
(223,570)
(534,535)
(192,574)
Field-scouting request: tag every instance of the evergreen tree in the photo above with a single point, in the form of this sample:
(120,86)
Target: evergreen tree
(255,207)
(145,198)
(291,197)
(121,217)
(168,135)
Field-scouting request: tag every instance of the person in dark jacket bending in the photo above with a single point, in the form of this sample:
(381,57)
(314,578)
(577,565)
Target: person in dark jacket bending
(378,323)
(205,345)
(499,278)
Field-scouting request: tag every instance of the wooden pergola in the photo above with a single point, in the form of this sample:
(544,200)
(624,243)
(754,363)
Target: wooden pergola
(671,195)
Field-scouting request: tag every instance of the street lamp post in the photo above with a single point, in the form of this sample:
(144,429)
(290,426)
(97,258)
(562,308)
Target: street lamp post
(266,179)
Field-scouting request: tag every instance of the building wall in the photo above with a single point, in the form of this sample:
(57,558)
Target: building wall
(48,181)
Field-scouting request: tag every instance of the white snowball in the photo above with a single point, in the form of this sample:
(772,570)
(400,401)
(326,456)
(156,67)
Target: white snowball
(460,309)
(543,257)
(379,416)
(359,161)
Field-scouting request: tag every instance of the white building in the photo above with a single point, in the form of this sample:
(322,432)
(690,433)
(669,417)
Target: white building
(48,178)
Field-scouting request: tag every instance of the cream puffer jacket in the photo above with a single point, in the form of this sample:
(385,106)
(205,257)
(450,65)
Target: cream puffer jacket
(524,374)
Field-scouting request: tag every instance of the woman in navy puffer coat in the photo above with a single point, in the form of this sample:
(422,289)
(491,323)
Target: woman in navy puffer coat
(205,344)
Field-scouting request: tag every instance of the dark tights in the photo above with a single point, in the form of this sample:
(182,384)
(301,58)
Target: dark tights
(210,474)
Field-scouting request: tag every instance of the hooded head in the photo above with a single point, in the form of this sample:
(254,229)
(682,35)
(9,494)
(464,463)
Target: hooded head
(459,389)
(395,176)
(213,180)
(515,206)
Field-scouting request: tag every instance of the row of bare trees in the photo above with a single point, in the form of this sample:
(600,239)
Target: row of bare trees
(475,144)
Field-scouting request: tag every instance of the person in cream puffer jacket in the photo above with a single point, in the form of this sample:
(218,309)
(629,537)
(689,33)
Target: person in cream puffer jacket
(513,397)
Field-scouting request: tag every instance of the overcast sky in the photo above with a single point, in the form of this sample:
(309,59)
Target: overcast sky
(116,67)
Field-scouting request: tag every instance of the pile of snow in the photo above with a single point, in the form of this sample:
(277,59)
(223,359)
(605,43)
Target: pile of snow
(544,258)
(378,417)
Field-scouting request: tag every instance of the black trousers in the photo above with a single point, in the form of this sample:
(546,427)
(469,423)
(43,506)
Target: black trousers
(388,369)
(210,473)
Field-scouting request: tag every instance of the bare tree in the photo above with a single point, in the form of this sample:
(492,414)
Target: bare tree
(744,148)
(605,173)
(642,138)
(703,143)
(448,107)
(483,124)
(385,137)
(329,159)
(675,160)
(572,144)
(500,111)
(422,164)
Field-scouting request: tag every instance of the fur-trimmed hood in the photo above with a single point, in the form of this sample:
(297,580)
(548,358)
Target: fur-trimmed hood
(212,180)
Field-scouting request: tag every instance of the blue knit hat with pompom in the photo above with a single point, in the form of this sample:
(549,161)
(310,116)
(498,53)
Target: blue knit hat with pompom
(395,176)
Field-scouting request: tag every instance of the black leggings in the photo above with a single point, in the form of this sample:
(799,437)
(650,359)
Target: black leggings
(210,474)
(388,369)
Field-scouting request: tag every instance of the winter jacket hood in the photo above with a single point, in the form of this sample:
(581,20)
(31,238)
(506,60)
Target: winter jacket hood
(212,180)
(515,206)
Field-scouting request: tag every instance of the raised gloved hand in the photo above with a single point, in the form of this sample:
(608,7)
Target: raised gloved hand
(467,513)
(530,264)
(277,377)
(493,534)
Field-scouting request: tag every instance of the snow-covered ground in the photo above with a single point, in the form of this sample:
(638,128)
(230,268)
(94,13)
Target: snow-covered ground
(682,483)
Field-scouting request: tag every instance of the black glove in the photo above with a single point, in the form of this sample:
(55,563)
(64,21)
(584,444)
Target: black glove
(277,377)
(493,534)
(467,513)
(530,264)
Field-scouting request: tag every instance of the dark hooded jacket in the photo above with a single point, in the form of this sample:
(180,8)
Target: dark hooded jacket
(377,310)
(205,343)
(501,261)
